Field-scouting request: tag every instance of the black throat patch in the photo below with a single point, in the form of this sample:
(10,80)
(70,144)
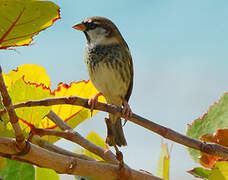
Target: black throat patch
(87,37)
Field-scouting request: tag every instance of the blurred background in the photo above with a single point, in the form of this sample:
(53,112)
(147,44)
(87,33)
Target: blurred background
(180,57)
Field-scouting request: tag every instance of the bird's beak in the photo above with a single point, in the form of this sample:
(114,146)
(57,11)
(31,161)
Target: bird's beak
(80,27)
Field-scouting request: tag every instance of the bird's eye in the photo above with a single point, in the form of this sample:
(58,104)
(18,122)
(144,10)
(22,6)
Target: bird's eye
(91,25)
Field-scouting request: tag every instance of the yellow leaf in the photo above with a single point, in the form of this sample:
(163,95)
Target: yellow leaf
(19,92)
(166,167)
(3,163)
(219,171)
(30,72)
(163,163)
(47,174)
(73,115)
(31,82)
(83,89)
(96,139)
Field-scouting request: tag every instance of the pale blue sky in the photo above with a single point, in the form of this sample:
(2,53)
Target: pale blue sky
(180,56)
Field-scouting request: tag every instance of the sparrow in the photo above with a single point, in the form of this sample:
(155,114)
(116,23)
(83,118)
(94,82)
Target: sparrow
(109,64)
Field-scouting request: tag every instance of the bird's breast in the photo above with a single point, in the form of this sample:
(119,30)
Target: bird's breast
(109,71)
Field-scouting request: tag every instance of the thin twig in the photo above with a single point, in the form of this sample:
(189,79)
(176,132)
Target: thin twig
(20,139)
(58,121)
(69,165)
(69,134)
(213,149)
(35,139)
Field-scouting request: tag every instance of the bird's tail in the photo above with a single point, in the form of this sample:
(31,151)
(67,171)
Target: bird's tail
(115,134)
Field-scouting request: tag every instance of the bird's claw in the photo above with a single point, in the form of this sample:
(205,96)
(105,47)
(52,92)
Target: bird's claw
(126,111)
(92,102)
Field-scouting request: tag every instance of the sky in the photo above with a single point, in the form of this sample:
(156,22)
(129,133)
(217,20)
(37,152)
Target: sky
(180,57)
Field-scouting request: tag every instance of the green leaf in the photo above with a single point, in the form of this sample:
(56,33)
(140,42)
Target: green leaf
(96,139)
(163,163)
(47,174)
(200,172)
(20,20)
(215,118)
(17,170)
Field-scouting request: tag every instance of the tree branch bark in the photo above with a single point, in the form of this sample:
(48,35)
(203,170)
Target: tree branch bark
(63,161)
(71,135)
(36,139)
(20,139)
(212,149)
(70,165)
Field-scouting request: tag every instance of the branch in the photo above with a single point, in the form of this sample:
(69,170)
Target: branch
(35,139)
(212,149)
(20,139)
(69,134)
(70,165)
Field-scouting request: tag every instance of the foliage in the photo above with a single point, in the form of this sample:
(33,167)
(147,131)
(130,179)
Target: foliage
(20,20)
(218,171)
(17,170)
(47,174)
(200,172)
(163,163)
(3,163)
(96,139)
(214,119)
(211,127)
(24,85)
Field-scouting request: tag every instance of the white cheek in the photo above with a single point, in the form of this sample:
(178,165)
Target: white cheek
(97,36)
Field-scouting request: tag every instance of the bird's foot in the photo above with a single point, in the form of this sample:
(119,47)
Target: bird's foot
(124,171)
(119,157)
(126,111)
(92,102)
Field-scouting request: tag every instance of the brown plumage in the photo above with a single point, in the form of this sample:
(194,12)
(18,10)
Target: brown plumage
(110,68)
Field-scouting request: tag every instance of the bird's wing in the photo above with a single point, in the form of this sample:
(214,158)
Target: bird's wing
(132,75)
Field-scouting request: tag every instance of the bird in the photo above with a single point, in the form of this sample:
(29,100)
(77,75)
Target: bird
(110,67)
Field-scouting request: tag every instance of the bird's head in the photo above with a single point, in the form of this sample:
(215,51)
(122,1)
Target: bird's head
(99,31)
